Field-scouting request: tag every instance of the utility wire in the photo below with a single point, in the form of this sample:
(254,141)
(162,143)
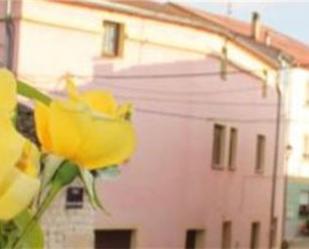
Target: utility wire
(165,92)
(167,76)
(203,118)
(154,76)
(169,92)
(158,91)
(195,102)
(184,101)
(213,119)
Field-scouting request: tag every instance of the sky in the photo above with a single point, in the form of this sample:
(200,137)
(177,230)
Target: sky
(289,17)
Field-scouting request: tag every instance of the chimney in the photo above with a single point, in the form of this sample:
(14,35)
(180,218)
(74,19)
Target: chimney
(267,39)
(255,26)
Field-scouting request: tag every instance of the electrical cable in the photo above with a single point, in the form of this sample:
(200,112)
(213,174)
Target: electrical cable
(195,102)
(203,118)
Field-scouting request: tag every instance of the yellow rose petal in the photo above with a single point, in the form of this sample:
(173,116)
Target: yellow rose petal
(11,147)
(29,160)
(41,117)
(67,122)
(8,87)
(100,101)
(88,129)
(108,142)
(72,90)
(18,196)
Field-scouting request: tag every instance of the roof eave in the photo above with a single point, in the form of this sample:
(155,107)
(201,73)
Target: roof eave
(111,6)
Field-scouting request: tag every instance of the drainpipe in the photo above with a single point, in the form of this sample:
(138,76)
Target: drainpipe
(287,153)
(284,242)
(276,157)
(9,35)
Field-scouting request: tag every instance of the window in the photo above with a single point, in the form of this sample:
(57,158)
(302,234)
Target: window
(74,197)
(232,148)
(260,154)
(113,239)
(307,94)
(113,38)
(306,147)
(265,84)
(255,235)
(303,203)
(274,232)
(226,235)
(195,239)
(224,63)
(218,146)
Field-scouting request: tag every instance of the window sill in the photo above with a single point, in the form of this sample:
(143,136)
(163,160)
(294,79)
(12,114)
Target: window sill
(259,172)
(109,56)
(232,168)
(305,158)
(219,167)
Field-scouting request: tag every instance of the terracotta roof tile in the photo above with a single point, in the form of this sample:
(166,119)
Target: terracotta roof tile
(241,30)
(155,6)
(296,49)
(279,41)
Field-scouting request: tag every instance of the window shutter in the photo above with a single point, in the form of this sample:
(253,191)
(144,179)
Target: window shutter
(121,40)
(223,70)
(264,84)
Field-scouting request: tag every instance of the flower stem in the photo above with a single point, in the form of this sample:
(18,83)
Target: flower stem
(52,193)
(63,176)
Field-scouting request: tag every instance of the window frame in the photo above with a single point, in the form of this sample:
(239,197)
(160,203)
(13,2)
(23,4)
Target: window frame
(131,232)
(74,204)
(226,234)
(305,154)
(218,146)
(260,154)
(118,43)
(255,234)
(306,91)
(233,149)
(199,238)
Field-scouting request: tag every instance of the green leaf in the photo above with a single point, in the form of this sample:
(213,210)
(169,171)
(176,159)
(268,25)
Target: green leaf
(108,173)
(31,92)
(89,184)
(10,234)
(3,236)
(65,174)
(34,239)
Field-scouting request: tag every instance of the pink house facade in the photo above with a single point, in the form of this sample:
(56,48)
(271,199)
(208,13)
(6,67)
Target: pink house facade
(205,115)
(185,190)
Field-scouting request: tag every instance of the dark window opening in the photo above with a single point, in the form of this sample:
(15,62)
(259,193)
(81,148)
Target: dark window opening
(74,197)
(226,235)
(255,235)
(218,146)
(233,149)
(113,239)
(194,239)
(260,154)
(113,39)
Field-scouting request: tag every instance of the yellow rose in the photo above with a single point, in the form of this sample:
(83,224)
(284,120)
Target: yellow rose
(19,158)
(89,129)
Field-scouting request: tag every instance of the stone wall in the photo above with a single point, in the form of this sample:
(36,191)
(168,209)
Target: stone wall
(69,228)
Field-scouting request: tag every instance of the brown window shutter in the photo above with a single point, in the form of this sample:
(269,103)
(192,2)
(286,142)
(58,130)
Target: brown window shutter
(223,70)
(121,41)
(264,84)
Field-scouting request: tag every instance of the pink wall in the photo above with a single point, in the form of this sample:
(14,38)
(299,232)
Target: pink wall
(169,185)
